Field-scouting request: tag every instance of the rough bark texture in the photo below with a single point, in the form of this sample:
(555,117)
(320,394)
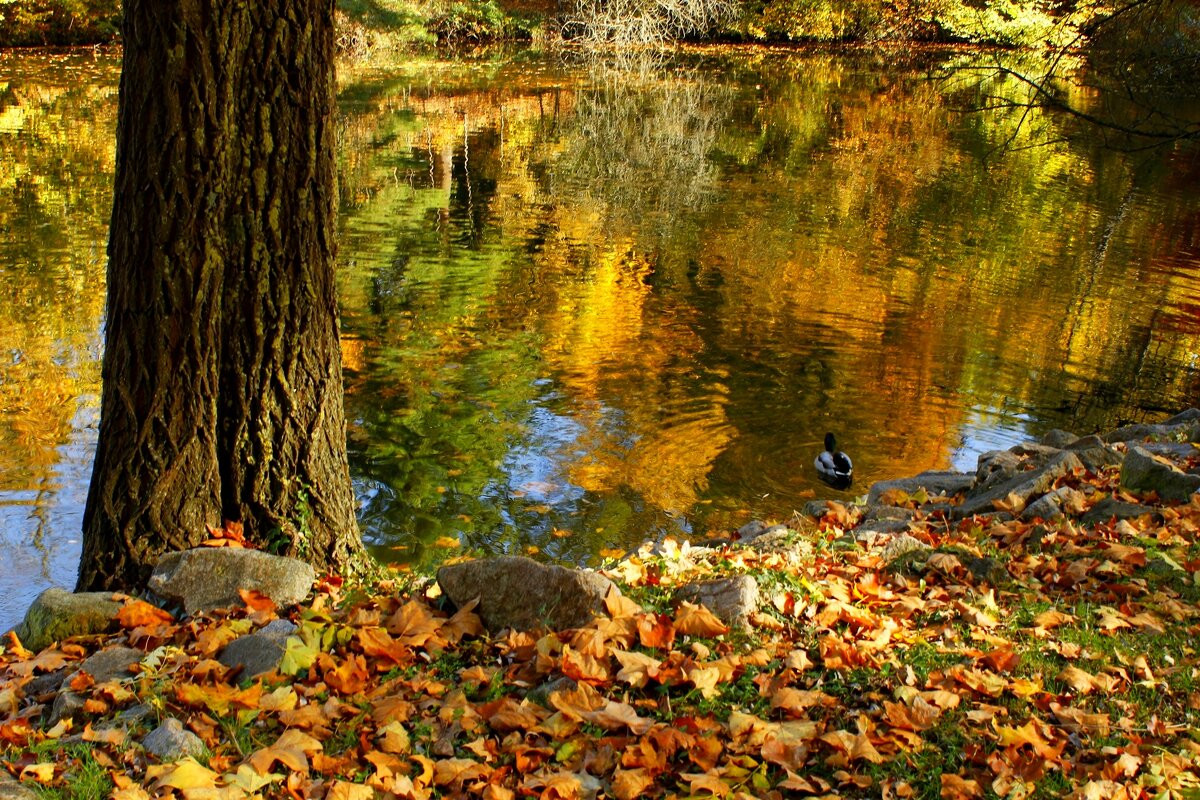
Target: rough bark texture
(222,376)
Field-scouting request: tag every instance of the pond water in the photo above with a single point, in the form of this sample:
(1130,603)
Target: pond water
(586,304)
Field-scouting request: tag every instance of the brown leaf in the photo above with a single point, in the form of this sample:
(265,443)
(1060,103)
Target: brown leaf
(855,745)
(1052,619)
(694,620)
(956,787)
(637,669)
(291,749)
(454,772)
(630,783)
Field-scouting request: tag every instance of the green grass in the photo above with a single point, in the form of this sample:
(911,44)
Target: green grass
(85,778)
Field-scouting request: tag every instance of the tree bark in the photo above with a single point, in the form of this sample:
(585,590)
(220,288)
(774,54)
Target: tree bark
(222,382)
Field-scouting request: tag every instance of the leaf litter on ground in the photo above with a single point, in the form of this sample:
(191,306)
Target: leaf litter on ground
(1072,673)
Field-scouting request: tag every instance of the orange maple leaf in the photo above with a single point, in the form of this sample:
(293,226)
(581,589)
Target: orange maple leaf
(139,613)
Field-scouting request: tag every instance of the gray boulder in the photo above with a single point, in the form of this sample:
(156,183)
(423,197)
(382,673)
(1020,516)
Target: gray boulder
(1049,505)
(13,789)
(1143,472)
(56,615)
(934,482)
(1185,431)
(113,663)
(901,545)
(1171,450)
(260,651)
(207,578)
(66,704)
(170,742)
(518,592)
(877,526)
(1098,457)
(997,466)
(756,528)
(1110,509)
(1012,479)
(732,600)
(1187,415)
(1058,438)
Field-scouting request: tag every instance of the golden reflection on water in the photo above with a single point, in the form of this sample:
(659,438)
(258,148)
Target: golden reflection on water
(586,304)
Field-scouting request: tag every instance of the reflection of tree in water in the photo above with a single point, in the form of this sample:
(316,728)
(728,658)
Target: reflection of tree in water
(642,138)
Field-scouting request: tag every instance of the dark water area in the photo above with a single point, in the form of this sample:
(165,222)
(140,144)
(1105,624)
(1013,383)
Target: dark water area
(587,304)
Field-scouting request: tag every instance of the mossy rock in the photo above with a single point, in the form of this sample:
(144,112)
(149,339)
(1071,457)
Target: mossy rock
(57,615)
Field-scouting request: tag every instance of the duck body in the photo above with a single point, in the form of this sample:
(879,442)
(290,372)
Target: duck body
(833,466)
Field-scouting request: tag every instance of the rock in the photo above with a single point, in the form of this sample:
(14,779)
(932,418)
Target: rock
(732,600)
(1163,566)
(934,482)
(111,664)
(260,651)
(1187,415)
(814,508)
(1175,432)
(46,684)
(751,530)
(1085,443)
(207,578)
(1040,452)
(12,789)
(1143,472)
(998,484)
(785,541)
(517,592)
(133,716)
(984,569)
(888,512)
(1110,509)
(996,466)
(1171,450)
(56,615)
(756,528)
(901,545)
(66,704)
(1098,457)
(877,526)
(1049,505)
(170,742)
(1058,438)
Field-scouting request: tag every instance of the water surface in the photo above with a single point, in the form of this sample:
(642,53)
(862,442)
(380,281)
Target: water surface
(588,304)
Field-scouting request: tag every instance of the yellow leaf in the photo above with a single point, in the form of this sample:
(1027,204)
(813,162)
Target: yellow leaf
(187,773)
(393,738)
(344,790)
(42,772)
(1052,619)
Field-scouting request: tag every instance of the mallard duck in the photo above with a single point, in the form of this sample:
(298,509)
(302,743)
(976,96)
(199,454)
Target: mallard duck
(833,466)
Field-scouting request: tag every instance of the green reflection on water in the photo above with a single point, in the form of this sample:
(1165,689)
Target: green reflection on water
(588,304)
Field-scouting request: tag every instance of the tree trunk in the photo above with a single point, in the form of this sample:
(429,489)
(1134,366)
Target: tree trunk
(222,378)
